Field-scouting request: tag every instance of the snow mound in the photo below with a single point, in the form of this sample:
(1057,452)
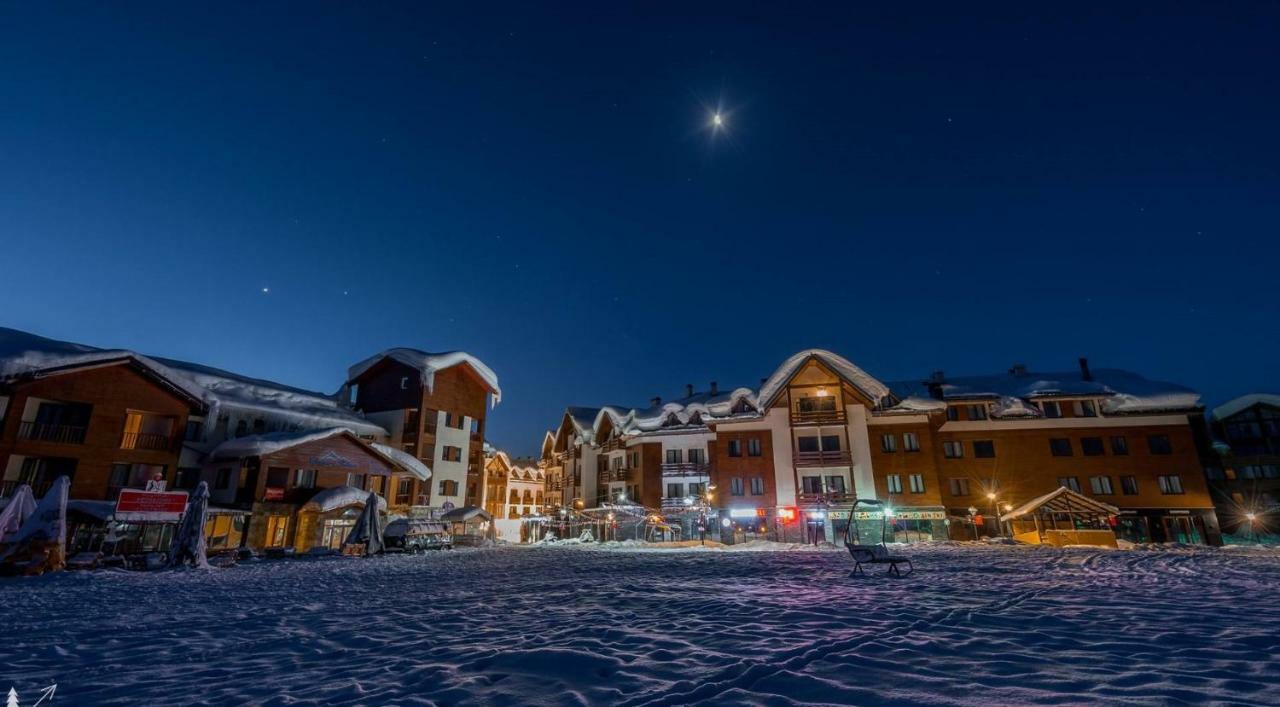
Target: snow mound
(341,497)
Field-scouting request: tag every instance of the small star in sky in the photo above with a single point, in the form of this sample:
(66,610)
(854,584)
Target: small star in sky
(266,290)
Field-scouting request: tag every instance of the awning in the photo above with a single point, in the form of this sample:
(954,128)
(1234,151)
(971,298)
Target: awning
(1062,500)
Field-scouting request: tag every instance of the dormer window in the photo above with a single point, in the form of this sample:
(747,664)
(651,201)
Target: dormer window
(1085,408)
(695,418)
(671,420)
(1051,408)
(742,407)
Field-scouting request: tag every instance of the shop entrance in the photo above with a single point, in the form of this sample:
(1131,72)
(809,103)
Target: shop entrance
(1184,529)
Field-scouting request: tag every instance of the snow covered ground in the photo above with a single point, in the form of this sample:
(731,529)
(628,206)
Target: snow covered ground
(571,625)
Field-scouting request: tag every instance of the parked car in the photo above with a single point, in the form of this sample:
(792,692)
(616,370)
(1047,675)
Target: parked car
(411,535)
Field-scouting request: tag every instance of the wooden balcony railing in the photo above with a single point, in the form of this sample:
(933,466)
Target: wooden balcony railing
(607,475)
(817,417)
(146,440)
(838,457)
(45,432)
(686,469)
(687,503)
(614,445)
(826,498)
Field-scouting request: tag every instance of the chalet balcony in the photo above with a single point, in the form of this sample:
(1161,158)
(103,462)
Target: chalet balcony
(614,445)
(683,504)
(826,498)
(686,469)
(146,440)
(817,417)
(47,432)
(838,457)
(609,475)
(555,485)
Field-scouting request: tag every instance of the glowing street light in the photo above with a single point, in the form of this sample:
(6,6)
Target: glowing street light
(717,120)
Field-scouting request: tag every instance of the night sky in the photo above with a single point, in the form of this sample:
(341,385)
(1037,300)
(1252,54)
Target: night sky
(283,190)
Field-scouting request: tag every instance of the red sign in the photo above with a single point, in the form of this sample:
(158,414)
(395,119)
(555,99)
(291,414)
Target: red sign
(274,493)
(150,506)
(786,515)
(977,520)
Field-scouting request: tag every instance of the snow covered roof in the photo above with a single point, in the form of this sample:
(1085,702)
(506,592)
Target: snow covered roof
(466,513)
(405,460)
(842,367)
(1125,392)
(272,442)
(428,364)
(340,497)
(22,353)
(25,354)
(1062,500)
(1244,402)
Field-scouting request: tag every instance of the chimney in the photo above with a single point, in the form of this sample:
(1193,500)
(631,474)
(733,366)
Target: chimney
(763,381)
(1085,373)
(1018,369)
(688,390)
(934,384)
(714,388)
(655,401)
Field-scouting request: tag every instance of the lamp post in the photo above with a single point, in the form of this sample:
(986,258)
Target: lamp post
(1006,508)
(995,512)
(1251,517)
(973,515)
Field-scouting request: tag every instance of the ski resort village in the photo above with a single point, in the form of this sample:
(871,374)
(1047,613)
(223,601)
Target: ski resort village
(137,485)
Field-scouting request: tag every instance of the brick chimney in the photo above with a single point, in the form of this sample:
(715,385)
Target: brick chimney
(714,388)
(1018,369)
(655,401)
(1085,373)
(688,390)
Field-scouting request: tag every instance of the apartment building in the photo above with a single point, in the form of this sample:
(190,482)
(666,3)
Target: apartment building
(1242,462)
(948,454)
(433,407)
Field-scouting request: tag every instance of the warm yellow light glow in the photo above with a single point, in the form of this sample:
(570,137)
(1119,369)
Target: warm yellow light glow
(822,392)
(1251,516)
(991,496)
(717,120)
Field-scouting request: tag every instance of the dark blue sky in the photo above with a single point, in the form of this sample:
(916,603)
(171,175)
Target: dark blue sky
(941,186)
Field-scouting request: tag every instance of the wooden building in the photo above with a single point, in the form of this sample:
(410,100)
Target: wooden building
(949,455)
(433,407)
(1242,462)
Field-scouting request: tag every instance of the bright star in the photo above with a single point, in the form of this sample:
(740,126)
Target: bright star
(717,120)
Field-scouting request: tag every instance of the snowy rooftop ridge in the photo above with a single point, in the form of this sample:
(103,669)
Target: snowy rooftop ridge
(428,364)
(22,353)
(858,378)
(1237,405)
(1127,392)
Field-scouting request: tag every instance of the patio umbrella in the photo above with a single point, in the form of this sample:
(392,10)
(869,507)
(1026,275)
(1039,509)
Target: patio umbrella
(22,503)
(42,539)
(368,529)
(188,546)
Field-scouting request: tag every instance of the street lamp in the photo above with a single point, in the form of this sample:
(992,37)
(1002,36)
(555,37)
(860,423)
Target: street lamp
(1253,534)
(973,520)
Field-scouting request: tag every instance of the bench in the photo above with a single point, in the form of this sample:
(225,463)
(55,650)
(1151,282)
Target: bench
(878,555)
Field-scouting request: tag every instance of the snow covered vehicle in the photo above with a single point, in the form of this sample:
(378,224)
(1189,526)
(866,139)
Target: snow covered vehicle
(413,536)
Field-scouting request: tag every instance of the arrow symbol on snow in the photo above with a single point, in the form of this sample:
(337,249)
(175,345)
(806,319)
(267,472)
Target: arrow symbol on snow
(46,694)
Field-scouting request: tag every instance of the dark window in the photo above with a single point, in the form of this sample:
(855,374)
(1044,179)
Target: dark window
(757,486)
(1060,447)
(187,479)
(953,450)
(959,487)
(675,490)
(826,403)
(910,442)
(697,456)
(1085,408)
(1070,482)
(977,412)
(1091,446)
(223,479)
(448,487)
(1159,444)
(735,486)
(1170,485)
(452,454)
(1129,485)
(984,449)
(242,428)
(1051,409)
(195,429)
(835,484)
(1119,446)
(735,448)
(953,413)
(675,456)
(812,484)
(1100,485)
(305,478)
(277,477)
(888,443)
(831,443)
(753,447)
(807,444)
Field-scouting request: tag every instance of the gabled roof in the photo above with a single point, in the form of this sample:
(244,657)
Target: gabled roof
(1244,402)
(861,381)
(266,444)
(428,364)
(1062,500)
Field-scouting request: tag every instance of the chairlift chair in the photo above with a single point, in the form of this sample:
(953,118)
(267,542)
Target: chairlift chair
(877,554)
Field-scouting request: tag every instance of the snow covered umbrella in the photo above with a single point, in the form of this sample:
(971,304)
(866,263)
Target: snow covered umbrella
(188,546)
(368,530)
(20,507)
(41,543)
